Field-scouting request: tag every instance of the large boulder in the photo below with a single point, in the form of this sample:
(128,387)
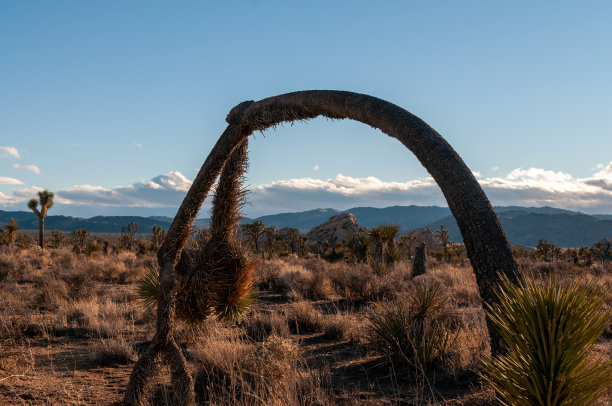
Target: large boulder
(418,236)
(605,245)
(337,228)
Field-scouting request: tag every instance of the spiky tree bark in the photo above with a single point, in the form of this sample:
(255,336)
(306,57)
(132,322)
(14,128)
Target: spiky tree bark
(45,198)
(485,241)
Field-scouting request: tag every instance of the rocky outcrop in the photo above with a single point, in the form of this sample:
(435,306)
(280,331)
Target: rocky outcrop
(337,228)
(605,245)
(416,237)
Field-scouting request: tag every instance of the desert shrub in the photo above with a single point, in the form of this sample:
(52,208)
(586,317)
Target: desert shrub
(413,334)
(298,282)
(51,292)
(112,352)
(339,327)
(233,371)
(550,331)
(64,258)
(24,241)
(8,268)
(261,325)
(304,317)
(103,318)
(317,279)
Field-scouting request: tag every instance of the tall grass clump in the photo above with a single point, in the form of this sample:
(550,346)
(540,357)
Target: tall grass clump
(413,334)
(550,331)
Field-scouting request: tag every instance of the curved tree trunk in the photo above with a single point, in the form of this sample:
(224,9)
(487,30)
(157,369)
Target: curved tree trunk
(484,238)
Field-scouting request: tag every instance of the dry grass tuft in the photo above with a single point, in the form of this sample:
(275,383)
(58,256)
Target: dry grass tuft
(234,371)
(304,317)
(112,352)
(261,325)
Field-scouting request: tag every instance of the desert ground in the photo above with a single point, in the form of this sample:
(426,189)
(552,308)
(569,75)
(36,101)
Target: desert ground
(72,326)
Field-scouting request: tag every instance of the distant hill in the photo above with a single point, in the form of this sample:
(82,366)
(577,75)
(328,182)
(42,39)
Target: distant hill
(98,224)
(523,225)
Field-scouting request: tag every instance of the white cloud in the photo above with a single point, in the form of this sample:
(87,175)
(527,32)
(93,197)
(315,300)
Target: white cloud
(19,196)
(10,181)
(137,145)
(316,168)
(340,192)
(161,191)
(31,168)
(6,152)
(525,187)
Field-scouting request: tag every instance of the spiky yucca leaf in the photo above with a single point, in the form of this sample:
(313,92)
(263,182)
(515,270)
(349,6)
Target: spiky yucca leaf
(428,299)
(147,288)
(234,312)
(550,331)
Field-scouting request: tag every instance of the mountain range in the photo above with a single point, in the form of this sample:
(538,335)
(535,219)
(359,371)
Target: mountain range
(523,225)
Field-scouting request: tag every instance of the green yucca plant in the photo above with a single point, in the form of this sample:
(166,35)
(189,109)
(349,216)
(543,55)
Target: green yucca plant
(550,331)
(233,312)
(147,288)
(415,334)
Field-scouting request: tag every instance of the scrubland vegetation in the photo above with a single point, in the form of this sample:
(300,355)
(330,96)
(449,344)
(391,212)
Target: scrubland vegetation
(320,332)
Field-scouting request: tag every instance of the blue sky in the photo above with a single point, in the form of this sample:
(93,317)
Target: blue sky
(116,104)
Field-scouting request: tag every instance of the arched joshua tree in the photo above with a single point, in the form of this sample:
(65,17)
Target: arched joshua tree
(485,241)
(45,198)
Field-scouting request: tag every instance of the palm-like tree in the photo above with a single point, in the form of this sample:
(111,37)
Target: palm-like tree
(45,198)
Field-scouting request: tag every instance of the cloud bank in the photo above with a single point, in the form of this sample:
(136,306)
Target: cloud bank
(162,191)
(524,187)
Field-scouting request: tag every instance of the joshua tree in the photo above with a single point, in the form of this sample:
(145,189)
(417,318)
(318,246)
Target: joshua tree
(383,236)
(443,237)
(57,237)
(79,240)
(485,241)
(45,198)
(128,234)
(270,234)
(358,245)
(294,236)
(11,230)
(158,235)
(254,230)
(302,240)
